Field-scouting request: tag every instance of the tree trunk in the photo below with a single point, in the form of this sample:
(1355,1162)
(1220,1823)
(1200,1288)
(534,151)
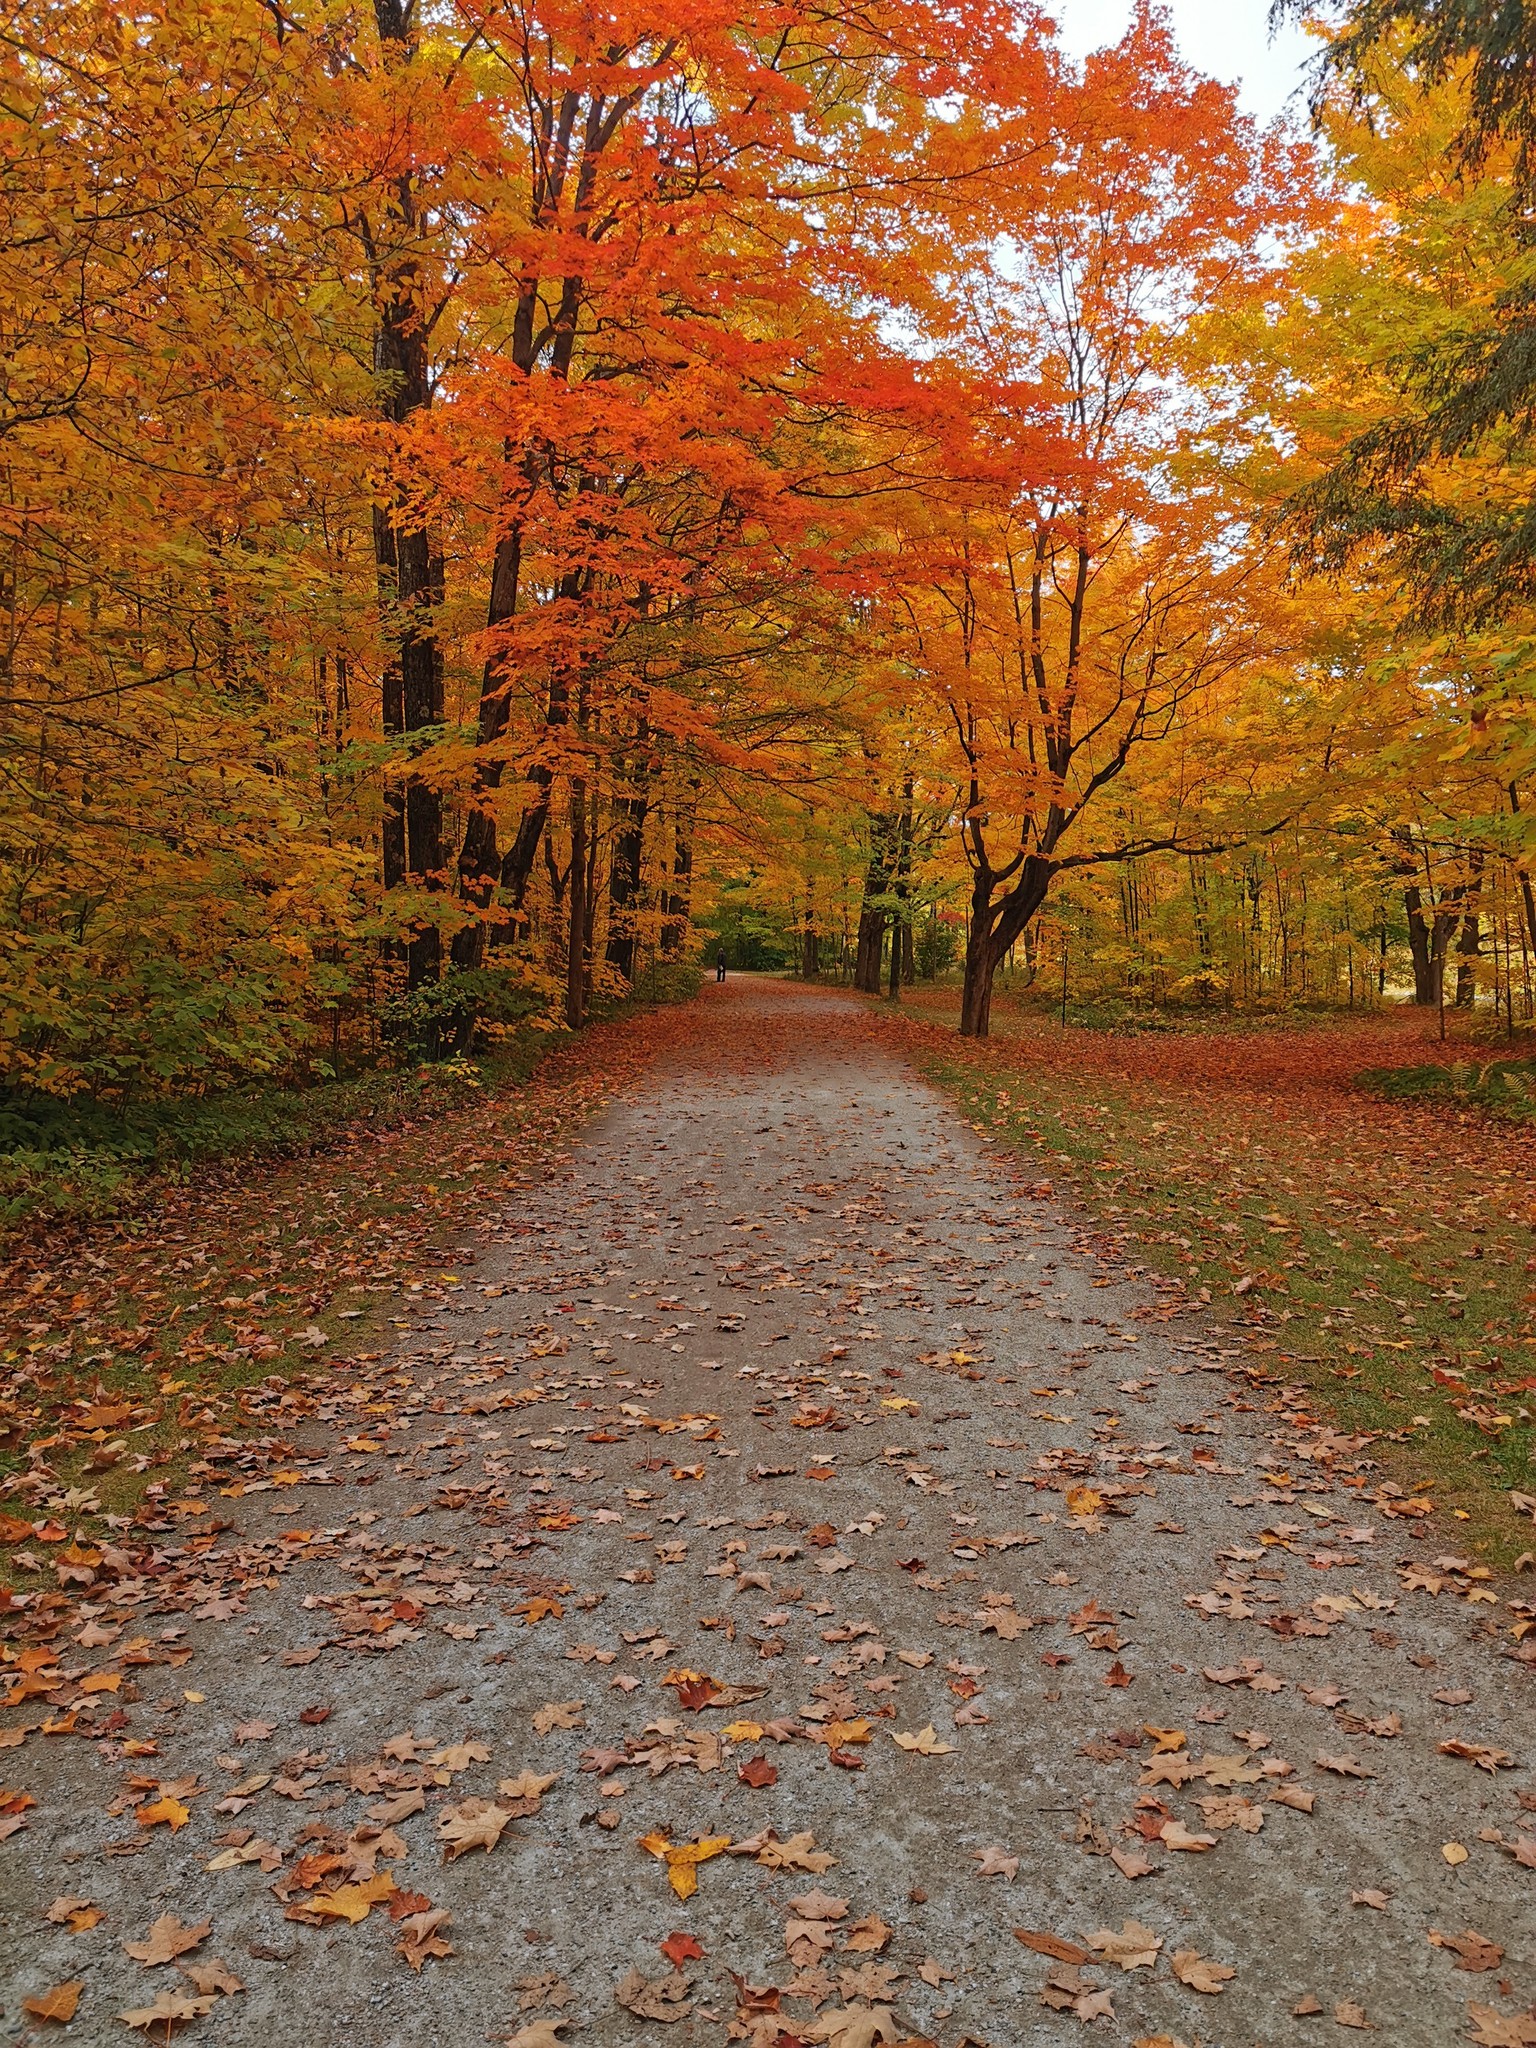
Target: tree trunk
(1420,945)
(810,954)
(576,892)
(409,569)
(628,850)
(1469,945)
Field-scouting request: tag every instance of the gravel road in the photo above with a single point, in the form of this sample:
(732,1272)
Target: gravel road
(791,1478)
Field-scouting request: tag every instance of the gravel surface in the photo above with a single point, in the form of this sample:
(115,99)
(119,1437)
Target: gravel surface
(787,1405)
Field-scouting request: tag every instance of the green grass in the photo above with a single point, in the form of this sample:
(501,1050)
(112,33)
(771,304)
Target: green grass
(1174,1196)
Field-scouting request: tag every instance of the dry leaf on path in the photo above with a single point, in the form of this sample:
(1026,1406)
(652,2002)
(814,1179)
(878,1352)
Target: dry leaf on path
(656,1998)
(58,2004)
(559,1714)
(1473,1951)
(1052,1945)
(541,2034)
(857,2026)
(1134,1948)
(166,1812)
(683,1858)
(474,1824)
(74,1913)
(1482,1754)
(167,1940)
(1501,2030)
(996,1862)
(460,1755)
(1201,1974)
(170,2009)
(352,1902)
(924,1743)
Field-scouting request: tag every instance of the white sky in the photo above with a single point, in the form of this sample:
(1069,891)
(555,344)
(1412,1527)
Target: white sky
(1227,39)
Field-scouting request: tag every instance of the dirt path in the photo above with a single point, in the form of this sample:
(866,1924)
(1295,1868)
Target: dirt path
(785,1474)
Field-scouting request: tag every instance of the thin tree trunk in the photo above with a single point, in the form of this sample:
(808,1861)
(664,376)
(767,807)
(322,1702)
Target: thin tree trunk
(408,567)
(576,900)
(628,849)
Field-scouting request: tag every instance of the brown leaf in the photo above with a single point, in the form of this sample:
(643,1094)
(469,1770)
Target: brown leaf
(58,2004)
(1482,1754)
(1134,1948)
(1200,1973)
(212,1975)
(559,1714)
(657,1998)
(170,2009)
(1052,1945)
(167,1940)
(1473,1951)
(474,1824)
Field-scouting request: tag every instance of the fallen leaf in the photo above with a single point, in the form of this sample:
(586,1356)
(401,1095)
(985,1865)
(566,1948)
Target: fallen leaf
(167,1940)
(165,1812)
(170,2009)
(559,1714)
(1134,1948)
(58,2004)
(211,1975)
(353,1902)
(924,1743)
(996,1862)
(658,1998)
(1482,1754)
(683,1858)
(1200,1973)
(474,1824)
(1473,1951)
(1052,1945)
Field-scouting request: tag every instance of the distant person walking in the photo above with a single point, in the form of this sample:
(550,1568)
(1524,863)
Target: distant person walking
(720,965)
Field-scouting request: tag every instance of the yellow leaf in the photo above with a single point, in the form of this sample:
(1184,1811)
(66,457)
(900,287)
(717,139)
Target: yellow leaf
(166,1812)
(683,1858)
(354,1902)
(924,1743)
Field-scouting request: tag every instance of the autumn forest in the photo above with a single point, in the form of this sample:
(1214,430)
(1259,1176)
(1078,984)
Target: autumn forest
(797,743)
(491,492)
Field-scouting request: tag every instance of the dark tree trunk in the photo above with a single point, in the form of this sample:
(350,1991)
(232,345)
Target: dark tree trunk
(624,876)
(677,906)
(1469,945)
(408,568)
(995,924)
(576,894)
(810,954)
(1419,945)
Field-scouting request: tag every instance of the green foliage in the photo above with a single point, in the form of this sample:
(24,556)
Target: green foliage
(936,947)
(1501,1087)
(469,1004)
(756,936)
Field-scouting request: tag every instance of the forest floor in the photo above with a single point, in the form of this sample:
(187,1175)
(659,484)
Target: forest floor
(685,1670)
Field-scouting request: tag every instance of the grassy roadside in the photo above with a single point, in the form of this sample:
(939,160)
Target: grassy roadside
(208,1301)
(1379,1254)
